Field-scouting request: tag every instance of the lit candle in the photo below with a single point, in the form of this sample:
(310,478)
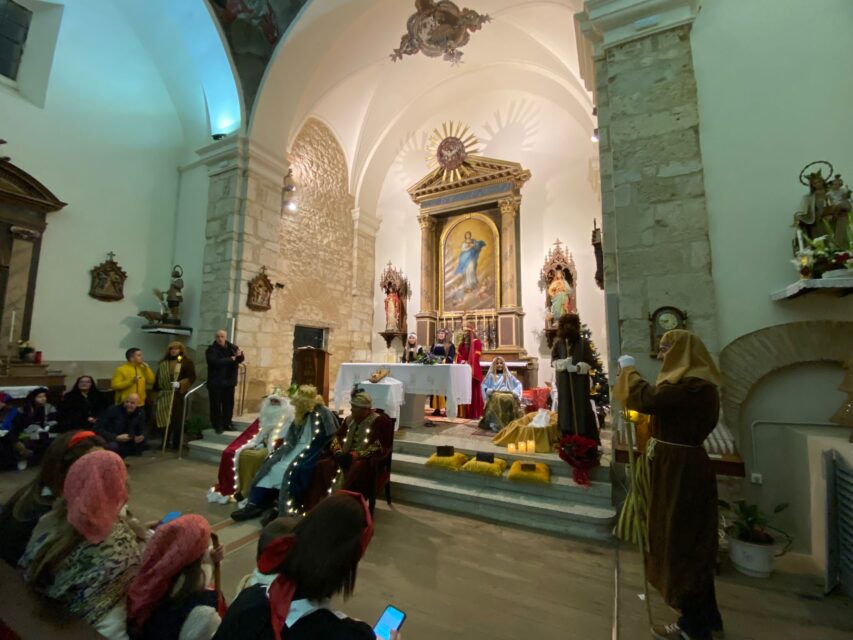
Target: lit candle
(522,447)
(531,446)
(12,328)
(511,448)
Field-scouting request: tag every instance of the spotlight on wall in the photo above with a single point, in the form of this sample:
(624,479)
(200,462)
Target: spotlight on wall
(594,136)
(288,192)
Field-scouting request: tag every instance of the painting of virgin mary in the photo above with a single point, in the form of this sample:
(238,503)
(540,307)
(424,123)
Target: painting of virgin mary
(470,265)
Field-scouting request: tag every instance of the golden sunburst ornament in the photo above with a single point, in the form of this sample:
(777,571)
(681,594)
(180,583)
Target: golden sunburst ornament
(449,148)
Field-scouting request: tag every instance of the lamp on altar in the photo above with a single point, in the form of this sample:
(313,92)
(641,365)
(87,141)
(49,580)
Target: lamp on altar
(511,448)
(531,446)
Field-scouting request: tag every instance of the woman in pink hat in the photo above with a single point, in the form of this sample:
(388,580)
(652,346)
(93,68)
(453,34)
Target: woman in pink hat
(84,553)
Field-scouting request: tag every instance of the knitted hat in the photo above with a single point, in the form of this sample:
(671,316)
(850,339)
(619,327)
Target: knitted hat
(95,490)
(173,546)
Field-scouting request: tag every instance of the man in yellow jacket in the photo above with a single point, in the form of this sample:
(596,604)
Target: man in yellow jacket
(132,377)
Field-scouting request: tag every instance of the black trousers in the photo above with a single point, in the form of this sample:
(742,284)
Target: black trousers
(221,406)
(700,616)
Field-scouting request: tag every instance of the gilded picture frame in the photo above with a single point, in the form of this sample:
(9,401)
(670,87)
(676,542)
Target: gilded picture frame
(469,265)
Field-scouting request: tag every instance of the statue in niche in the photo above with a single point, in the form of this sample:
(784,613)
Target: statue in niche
(393,320)
(559,300)
(397,291)
(558,279)
(108,280)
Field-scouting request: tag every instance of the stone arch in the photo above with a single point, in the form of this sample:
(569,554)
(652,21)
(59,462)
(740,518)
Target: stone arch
(750,358)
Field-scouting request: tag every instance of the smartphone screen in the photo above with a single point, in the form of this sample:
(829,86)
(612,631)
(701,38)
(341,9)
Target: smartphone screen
(172,515)
(390,620)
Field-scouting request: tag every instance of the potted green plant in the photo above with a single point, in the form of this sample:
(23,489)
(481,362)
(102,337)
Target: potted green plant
(751,546)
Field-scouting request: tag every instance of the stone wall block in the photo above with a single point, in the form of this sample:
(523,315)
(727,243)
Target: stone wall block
(693,292)
(650,125)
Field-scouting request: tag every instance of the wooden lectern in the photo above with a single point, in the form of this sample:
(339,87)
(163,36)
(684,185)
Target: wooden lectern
(311,366)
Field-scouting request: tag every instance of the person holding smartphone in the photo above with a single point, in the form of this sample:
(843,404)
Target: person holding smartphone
(315,561)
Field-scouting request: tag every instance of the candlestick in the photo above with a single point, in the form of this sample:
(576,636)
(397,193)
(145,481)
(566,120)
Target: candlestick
(800,240)
(12,328)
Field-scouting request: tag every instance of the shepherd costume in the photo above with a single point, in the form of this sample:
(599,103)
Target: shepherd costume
(573,361)
(289,470)
(502,392)
(355,455)
(170,401)
(469,353)
(682,514)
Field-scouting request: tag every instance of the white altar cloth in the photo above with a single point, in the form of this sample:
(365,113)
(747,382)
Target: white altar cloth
(387,394)
(450,380)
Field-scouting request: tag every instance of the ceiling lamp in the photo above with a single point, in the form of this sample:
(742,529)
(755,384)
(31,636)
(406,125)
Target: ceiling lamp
(288,192)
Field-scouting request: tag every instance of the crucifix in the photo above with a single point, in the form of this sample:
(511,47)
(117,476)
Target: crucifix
(111,255)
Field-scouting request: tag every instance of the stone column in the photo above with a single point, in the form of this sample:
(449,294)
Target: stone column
(509,253)
(365,228)
(655,221)
(427,314)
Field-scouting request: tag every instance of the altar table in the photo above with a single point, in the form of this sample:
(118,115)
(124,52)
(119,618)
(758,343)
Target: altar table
(419,381)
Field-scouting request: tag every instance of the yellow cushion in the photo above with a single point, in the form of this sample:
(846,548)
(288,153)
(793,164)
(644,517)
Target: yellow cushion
(495,468)
(542,474)
(451,463)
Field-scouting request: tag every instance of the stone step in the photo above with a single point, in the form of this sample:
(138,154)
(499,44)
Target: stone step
(225,438)
(205,451)
(558,466)
(560,491)
(505,507)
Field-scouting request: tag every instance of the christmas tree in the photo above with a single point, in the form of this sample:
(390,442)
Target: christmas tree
(600,388)
(844,415)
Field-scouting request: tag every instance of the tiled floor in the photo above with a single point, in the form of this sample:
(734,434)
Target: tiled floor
(459,578)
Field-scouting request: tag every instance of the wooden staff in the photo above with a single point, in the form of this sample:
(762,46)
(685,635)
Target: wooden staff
(632,461)
(171,403)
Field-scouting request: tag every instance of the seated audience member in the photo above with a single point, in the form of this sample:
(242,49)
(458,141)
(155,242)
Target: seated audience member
(274,530)
(169,598)
(24,509)
(82,405)
(502,392)
(362,442)
(37,424)
(84,553)
(123,426)
(313,563)
(13,453)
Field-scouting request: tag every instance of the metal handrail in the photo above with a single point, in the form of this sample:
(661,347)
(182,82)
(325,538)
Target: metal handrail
(184,415)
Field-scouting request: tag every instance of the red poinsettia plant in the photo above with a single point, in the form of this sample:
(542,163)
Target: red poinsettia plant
(581,453)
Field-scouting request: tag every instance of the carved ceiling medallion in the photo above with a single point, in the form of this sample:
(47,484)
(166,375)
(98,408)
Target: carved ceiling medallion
(439,29)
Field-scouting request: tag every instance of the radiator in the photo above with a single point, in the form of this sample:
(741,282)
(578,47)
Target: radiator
(839,523)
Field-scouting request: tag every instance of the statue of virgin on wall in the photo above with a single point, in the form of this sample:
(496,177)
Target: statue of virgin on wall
(392,310)
(559,296)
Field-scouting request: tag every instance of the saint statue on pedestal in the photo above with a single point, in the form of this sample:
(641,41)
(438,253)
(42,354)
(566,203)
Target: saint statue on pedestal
(559,296)
(392,310)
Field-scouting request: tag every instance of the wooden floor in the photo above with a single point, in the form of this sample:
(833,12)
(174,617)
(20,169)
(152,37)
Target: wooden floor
(459,578)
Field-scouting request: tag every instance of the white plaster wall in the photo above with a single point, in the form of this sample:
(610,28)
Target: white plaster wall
(801,395)
(773,78)
(107,142)
(558,201)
